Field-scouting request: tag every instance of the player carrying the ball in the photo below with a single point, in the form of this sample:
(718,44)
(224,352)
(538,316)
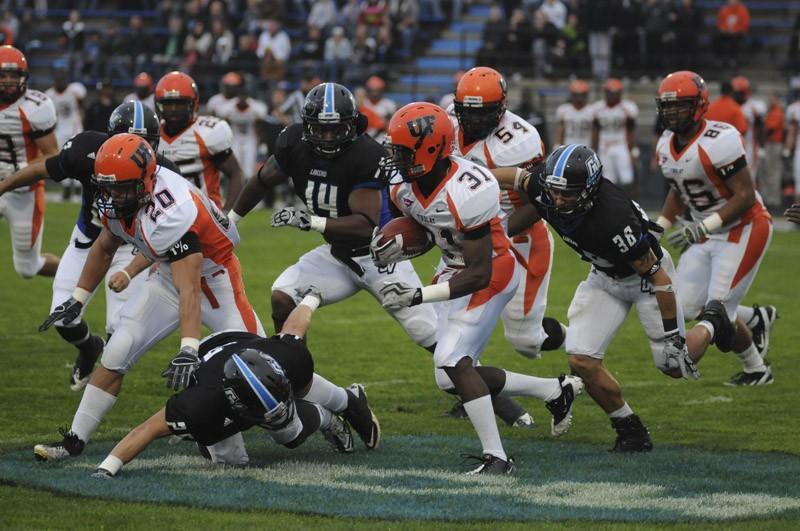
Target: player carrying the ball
(458,202)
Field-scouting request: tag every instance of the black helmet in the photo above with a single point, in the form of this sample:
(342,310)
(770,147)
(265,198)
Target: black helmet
(257,389)
(133,117)
(330,118)
(571,168)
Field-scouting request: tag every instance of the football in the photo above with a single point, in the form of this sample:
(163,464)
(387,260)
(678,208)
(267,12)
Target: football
(413,237)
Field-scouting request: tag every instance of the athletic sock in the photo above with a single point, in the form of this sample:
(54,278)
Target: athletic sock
(751,361)
(708,326)
(521,384)
(95,404)
(325,416)
(621,413)
(482,417)
(326,394)
(746,314)
(77,335)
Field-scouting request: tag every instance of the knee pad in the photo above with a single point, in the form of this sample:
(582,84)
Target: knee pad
(117,352)
(421,331)
(443,381)
(27,263)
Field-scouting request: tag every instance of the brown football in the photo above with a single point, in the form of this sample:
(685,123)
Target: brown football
(415,239)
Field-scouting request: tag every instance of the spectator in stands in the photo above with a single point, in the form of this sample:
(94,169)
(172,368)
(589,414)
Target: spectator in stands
(628,20)
(198,45)
(111,60)
(376,124)
(599,20)
(555,12)
(338,53)
(384,44)
(793,61)
(276,40)
(171,49)
(431,9)
(138,45)
(73,32)
(515,51)
(244,57)
(96,118)
(659,35)
(383,106)
(686,24)
(223,42)
(313,47)
(348,16)
(733,23)
(493,39)
(323,14)
(546,39)
(404,17)
(11,22)
(725,109)
(373,15)
(770,174)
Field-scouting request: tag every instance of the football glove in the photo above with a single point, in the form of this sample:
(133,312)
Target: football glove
(677,356)
(308,290)
(66,312)
(181,369)
(691,232)
(399,295)
(384,254)
(793,213)
(292,217)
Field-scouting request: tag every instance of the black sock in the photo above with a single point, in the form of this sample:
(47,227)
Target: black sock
(309,416)
(555,334)
(78,335)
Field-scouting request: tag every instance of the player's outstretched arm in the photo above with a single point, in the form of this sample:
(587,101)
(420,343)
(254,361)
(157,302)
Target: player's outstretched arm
(267,177)
(743,188)
(186,273)
(48,146)
(99,260)
(299,320)
(231,168)
(134,443)
(522,218)
(28,175)
(673,207)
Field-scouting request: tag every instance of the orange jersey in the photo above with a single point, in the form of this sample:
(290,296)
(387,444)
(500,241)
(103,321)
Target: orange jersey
(725,109)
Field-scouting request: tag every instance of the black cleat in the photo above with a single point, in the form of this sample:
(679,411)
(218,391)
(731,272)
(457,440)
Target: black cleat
(632,436)
(509,411)
(69,446)
(724,331)
(764,319)
(339,436)
(751,378)
(561,406)
(457,411)
(361,418)
(84,363)
(492,465)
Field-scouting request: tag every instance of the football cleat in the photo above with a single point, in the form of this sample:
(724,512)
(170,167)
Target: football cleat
(510,411)
(70,446)
(724,331)
(632,436)
(457,411)
(763,321)
(102,473)
(361,418)
(339,435)
(751,378)
(525,421)
(84,363)
(491,465)
(561,406)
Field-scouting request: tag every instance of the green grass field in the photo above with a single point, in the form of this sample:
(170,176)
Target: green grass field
(356,341)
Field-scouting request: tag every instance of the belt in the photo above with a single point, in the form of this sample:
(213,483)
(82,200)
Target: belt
(83,245)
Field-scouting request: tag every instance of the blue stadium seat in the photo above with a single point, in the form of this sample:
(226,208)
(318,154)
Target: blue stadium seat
(445,63)
(455,46)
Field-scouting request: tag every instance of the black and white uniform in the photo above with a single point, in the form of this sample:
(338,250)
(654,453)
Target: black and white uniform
(76,161)
(202,413)
(614,232)
(340,269)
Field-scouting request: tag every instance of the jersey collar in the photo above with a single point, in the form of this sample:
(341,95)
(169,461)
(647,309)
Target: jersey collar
(170,139)
(426,201)
(676,155)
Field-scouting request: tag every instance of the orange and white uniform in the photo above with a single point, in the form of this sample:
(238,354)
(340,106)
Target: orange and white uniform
(577,123)
(612,145)
(724,266)
(753,109)
(515,142)
(465,200)
(176,207)
(243,119)
(793,119)
(195,149)
(31,116)
(68,110)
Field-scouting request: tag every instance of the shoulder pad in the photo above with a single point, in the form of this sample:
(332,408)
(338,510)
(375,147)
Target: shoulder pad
(215,132)
(39,110)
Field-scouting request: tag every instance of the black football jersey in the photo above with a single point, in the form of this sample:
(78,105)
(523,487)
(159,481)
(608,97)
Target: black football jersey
(201,412)
(324,184)
(614,232)
(76,161)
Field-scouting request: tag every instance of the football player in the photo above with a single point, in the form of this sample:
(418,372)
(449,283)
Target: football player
(76,161)
(199,279)
(793,213)
(576,117)
(754,111)
(245,380)
(67,98)
(232,88)
(201,146)
(597,219)
(705,164)
(791,148)
(142,90)
(614,133)
(246,117)
(458,202)
(27,123)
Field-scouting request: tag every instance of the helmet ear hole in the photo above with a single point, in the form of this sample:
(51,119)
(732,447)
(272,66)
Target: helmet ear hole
(432,149)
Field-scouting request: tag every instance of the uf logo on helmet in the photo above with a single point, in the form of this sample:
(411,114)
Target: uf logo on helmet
(422,126)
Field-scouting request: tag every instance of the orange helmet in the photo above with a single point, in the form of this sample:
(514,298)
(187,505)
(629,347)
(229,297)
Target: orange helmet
(682,100)
(13,61)
(741,89)
(578,87)
(176,87)
(418,136)
(232,84)
(124,175)
(375,83)
(143,85)
(613,84)
(480,101)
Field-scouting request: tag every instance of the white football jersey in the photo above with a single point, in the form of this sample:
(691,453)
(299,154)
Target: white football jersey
(31,116)
(243,118)
(577,123)
(194,149)
(175,208)
(149,100)
(215,102)
(514,142)
(698,172)
(752,109)
(467,198)
(68,110)
(613,122)
(384,107)
(793,113)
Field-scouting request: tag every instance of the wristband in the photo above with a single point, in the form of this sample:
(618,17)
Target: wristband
(713,222)
(436,292)
(665,223)
(635,152)
(126,274)
(81,295)
(112,464)
(518,179)
(318,223)
(670,325)
(190,342)
(311,301)
(234,217)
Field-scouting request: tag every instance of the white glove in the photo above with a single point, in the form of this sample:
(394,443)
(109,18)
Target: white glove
(691,232)
(292,217)
(399,295)
(677,356)
(387,253)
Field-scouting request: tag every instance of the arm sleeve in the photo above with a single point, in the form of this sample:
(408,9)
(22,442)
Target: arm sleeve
(188,244)
(75,160)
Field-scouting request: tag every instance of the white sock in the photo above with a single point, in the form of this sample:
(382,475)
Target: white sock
(481,415)
(95,404)
(621,413)
(325,416)
(111,463)
(521,384)
(326,394)
(708,326)
(746,313)
(751,361)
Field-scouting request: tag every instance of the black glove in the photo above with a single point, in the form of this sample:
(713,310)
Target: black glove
(180,372)
(66,312)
